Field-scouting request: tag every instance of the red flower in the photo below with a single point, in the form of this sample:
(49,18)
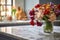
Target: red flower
(32,22)
(39,23)
(32,12)
(32,18)
(46,12)
(58,6)
(37,6)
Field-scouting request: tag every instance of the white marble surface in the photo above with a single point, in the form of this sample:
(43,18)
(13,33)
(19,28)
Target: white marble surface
(33,32)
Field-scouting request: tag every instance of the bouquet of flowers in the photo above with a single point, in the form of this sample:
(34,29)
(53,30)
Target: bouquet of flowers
(47,12)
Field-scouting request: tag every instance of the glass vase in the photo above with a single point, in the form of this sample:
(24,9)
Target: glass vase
(48,27)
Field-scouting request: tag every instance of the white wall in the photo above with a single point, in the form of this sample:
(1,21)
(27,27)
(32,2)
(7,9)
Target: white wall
(19,3)
(29,4)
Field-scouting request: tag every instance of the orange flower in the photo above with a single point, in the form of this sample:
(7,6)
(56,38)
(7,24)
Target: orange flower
(47,7)
(52,17)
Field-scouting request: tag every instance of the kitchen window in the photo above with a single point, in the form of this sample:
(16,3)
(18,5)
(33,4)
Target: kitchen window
(5,8)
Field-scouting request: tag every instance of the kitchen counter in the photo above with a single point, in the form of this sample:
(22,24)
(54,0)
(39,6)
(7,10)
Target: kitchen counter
(35,33)
(5,36)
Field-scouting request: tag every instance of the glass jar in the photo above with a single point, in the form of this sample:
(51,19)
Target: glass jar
(48,27)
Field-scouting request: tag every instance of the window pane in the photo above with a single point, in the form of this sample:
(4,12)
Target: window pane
(2,1)
(3,13)
(9,10)
(3,10)
(9,2)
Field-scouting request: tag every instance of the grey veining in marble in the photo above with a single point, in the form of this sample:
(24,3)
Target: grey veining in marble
(35,33)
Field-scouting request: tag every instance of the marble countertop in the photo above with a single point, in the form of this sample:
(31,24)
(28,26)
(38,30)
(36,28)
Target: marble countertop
(35,33)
